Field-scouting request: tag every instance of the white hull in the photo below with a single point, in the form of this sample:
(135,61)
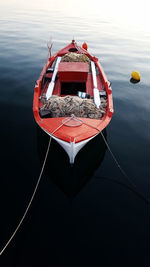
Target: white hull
(71,148)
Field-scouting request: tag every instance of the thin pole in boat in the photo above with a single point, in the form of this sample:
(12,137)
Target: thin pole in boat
(49,45)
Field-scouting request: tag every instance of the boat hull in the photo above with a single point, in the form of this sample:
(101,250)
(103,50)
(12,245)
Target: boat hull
(71,178)
(71,148)
(72,137)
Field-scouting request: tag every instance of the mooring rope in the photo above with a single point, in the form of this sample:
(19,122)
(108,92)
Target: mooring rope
(117,163)
(30,202)
(42,169)
(34,192)
(113,156)
(133,186)
(129,187)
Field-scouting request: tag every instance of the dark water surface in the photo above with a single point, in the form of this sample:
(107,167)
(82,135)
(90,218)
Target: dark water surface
(76,219)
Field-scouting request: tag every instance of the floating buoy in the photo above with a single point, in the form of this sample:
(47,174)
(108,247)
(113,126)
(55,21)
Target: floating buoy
(85,46)
(136,75)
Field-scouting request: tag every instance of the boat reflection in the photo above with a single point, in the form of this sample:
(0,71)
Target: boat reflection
(71,178)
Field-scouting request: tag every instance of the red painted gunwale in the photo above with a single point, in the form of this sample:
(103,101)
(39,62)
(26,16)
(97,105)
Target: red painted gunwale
(79,133)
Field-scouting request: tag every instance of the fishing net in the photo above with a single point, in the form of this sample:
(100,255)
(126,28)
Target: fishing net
(74,57)
(68,105)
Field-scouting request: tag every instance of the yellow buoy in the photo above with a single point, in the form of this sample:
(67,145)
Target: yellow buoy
(136,75)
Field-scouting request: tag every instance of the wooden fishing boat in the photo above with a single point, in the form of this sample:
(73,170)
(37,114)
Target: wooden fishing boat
(72,98)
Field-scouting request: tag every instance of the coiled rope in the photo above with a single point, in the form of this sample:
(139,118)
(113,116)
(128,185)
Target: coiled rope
(34,192)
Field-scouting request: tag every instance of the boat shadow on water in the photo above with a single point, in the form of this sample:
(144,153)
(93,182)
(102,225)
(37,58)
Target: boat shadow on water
(71,178)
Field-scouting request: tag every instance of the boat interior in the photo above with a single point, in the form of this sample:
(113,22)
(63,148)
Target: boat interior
(71,78)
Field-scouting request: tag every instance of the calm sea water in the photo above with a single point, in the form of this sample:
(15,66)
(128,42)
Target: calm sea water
(80,216)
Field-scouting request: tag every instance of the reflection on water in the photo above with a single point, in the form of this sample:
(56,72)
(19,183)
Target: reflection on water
(134,81)
(71,178)
(103,224)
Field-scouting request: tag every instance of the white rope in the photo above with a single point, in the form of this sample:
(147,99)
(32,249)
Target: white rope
(34,192)
(114,158)
(39,179)
(30,202)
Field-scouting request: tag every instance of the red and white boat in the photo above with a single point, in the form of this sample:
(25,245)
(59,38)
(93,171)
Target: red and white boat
(75,79)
